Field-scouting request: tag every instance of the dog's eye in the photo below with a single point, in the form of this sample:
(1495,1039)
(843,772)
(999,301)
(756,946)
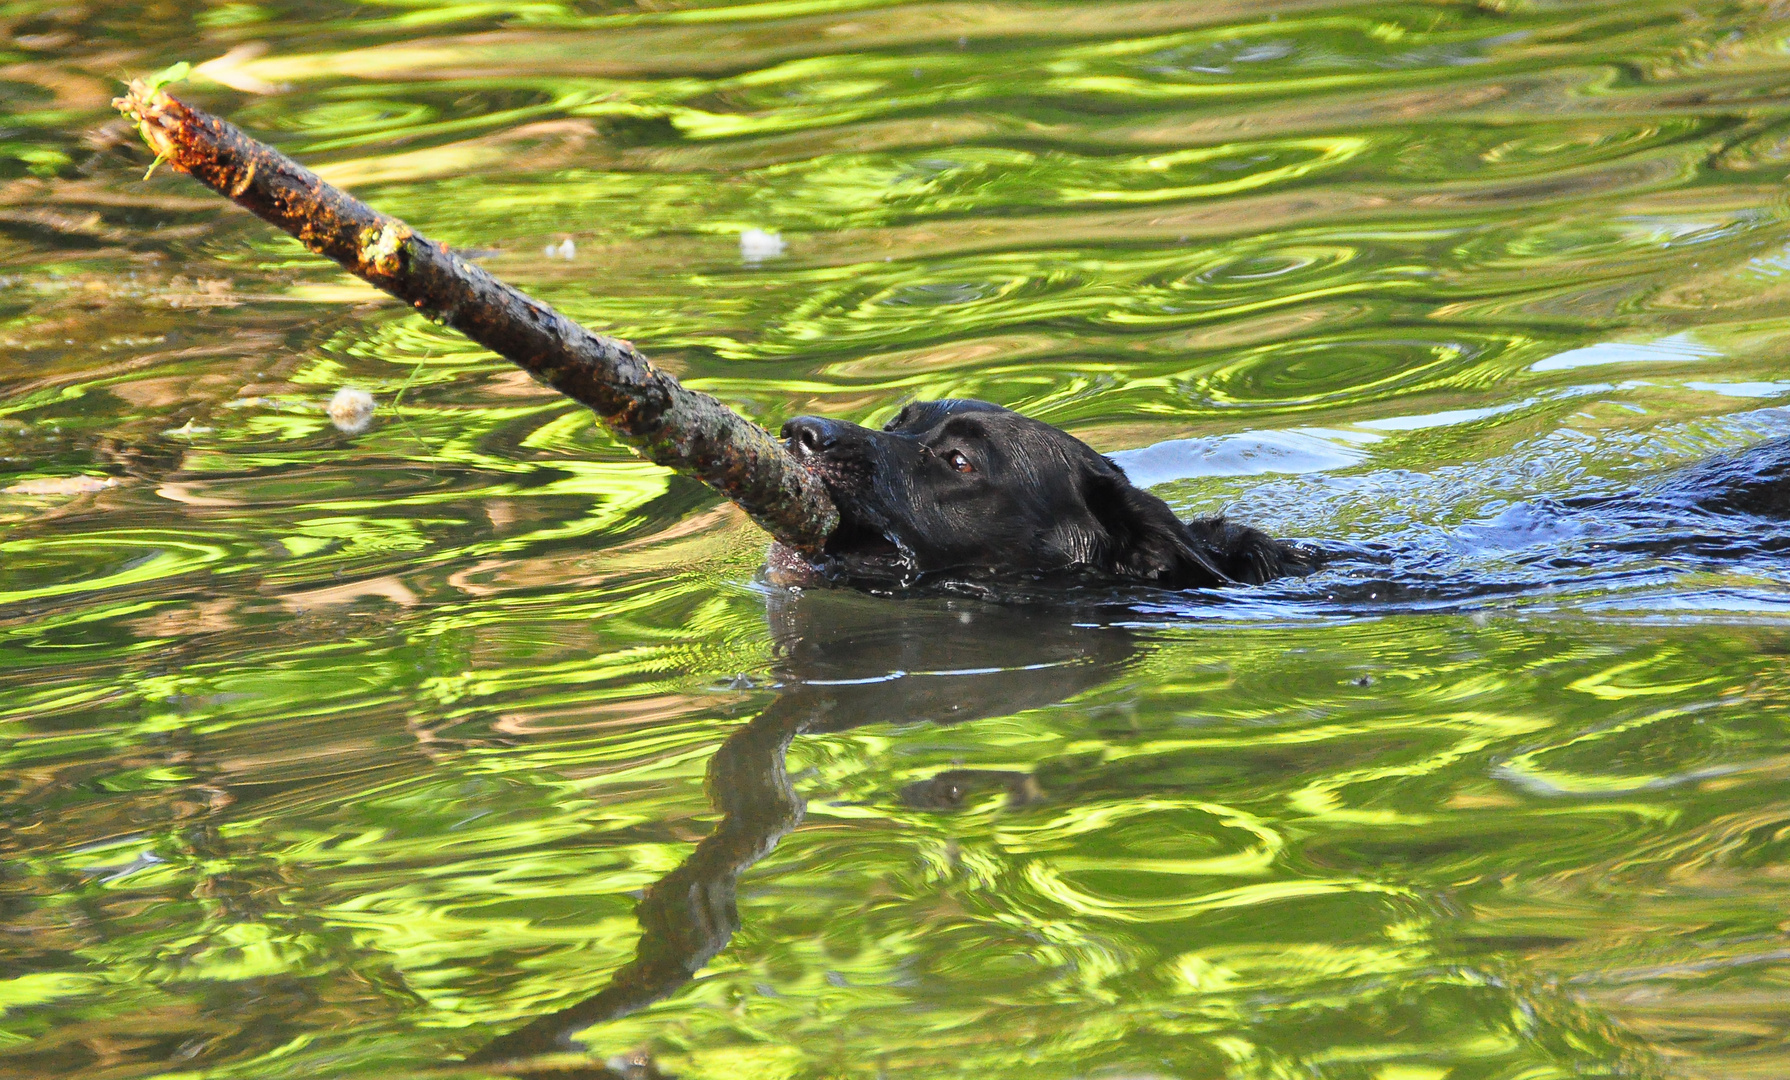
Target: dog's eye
(956,460)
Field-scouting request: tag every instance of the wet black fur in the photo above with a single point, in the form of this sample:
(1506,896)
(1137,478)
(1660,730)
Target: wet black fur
(1038,504)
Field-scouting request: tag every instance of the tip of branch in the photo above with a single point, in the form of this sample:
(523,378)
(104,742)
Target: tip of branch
(136,100)
(146,105)
(146,92)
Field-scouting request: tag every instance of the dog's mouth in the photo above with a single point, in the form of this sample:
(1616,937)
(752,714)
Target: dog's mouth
(853,555)
(865,549)
(857,537)
(863,552)
(858,540)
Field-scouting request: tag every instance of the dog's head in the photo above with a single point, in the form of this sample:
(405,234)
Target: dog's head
(966,489)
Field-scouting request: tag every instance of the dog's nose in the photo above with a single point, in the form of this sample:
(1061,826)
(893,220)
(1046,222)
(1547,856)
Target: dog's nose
(808,435)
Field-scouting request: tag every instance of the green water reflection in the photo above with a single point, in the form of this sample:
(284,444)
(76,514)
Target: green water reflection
(329,754)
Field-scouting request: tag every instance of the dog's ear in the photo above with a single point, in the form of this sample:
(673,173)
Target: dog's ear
(1143,538)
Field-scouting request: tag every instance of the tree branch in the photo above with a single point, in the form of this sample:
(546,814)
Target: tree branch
(646,408)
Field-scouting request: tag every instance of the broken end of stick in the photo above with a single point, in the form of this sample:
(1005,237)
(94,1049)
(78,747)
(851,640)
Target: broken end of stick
(149,108)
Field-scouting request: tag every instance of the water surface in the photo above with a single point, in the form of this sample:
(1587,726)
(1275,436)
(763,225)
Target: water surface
(333,754)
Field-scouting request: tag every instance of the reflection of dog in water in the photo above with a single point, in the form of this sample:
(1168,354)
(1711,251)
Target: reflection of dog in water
(843,660)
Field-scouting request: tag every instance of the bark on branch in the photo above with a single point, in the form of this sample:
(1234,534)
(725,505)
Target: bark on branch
(648,409)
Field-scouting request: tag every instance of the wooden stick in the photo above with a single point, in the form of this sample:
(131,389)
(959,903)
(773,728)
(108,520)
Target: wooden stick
(648,409)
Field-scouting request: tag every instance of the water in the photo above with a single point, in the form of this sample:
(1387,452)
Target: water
(330,754)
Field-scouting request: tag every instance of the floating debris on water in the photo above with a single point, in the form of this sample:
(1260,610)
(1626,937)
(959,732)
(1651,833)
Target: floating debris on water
(756,245)
(187,430)
(61,485)
(351,410)
(565,249)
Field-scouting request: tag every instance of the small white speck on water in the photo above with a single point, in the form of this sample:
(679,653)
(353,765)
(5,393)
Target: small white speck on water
(351,410)
(756,245)
(565,249)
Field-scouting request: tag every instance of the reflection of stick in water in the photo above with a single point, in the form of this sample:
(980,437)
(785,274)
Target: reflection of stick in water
(647,408)
(689,915)
(845,660)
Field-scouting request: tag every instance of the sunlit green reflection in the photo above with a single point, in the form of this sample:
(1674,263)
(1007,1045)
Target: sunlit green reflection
(347,754)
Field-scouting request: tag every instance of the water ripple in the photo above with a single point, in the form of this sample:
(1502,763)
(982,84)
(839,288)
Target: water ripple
(345,753)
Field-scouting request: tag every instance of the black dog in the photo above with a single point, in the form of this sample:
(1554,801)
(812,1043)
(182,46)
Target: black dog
(962,490)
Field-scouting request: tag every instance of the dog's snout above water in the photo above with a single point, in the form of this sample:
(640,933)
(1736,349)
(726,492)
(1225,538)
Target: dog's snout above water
(809,435)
